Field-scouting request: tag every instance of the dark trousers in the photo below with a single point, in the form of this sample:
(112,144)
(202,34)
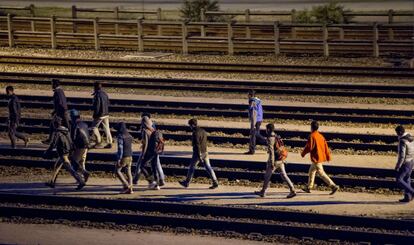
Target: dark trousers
(150,174)
(13,133)
(256,137)
(404,178)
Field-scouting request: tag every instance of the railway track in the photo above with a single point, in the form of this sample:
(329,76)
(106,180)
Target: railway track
(350,177)
(254,222)
(225,135)
(223,86)
(229,110)
(209,67)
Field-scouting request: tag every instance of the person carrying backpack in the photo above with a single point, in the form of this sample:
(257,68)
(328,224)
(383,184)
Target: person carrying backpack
(124,158)
(255,119)
(200,154)
(276,161)
(405,163)
(62,143)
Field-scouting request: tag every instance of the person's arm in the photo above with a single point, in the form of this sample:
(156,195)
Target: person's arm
(120,149)
(14,110)
(55,103)
(402,149)
(198,139)
(144,142)
(97,106)
(84,136)
(327,152)
(53,142)
(252,114)
(270,149)
(308,146)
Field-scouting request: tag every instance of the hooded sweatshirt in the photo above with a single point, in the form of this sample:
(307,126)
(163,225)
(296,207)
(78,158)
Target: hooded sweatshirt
(146,131)
(124,142)
(405,149)
(61,141)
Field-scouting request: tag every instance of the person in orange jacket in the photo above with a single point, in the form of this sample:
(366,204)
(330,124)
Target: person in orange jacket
(319,153)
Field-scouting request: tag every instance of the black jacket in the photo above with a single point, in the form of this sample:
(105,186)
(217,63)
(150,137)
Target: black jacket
(14,109)
(199,141)
(59,102)
(100,104)
(61,142)
(80,135)
(124,142)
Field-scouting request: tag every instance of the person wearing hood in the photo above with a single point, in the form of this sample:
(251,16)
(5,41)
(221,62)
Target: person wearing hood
(147,156)
(200,154)
(14,118)
(60,109)
(101,116)
(63,144)
(80,138)
(124,158)
(255,119)
(405,162)
(272,164)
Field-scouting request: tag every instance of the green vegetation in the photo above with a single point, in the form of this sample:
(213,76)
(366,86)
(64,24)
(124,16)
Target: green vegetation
(191,9)
(331,13)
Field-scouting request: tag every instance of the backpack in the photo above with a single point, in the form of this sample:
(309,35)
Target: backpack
(159,141)
(280,151)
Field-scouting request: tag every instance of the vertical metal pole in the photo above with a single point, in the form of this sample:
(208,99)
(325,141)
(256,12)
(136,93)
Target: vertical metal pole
(96,32)
(10,31)
(53,31)
(116,17)
(159,18)
(277,37)
(32,13)
(230,38)
(293,18)
(203,19)
(140,35)
(74,16)
(184,37)
(247,17)
(390,21)
(375,45)
(325,41)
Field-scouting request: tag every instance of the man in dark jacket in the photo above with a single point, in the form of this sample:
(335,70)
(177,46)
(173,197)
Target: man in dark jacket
(405,162)
(62,143)
(199,142)
(80,139)
(101,116)
(14,118)
(124,158)
(60,109)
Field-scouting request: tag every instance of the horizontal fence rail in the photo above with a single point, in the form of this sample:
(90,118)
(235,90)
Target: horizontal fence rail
(225,37)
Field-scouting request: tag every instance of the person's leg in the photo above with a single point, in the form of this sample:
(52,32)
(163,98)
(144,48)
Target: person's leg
(194,161)
(323,175)
(252,142)
(95,130)
(12,133)
(120,175)
(66,120)
(311,178)
(160,171)
(402,178)
(209,169)
(260,139)
(128,164)
(69,168)
(285,177)
(56,168)
(107,130)
(153,161)
(268,175)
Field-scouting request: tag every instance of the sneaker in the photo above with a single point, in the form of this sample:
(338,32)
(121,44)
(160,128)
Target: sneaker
(26,142)
(335,188)
(260,193)
(80,186)
(183,183)
(291,195)
(249,153)
(108,146)
(214,186)
(306,189)
(99,146)
(135,181)
(127,190)
(86,176)
(162,183)
(50,184)
(153,185)
(46,142)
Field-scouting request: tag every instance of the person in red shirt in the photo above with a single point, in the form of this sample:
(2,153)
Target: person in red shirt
(319,153)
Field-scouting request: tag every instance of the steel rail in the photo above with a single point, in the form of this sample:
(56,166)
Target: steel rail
(229,110)
(233,170)
(215,67)
(223,218)
(309,89)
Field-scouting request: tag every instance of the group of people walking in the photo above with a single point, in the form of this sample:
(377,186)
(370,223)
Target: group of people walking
(69,135)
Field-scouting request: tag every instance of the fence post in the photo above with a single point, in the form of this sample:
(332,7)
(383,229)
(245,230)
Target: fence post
(116,17)
(10,31)
(74,16)
(184,37)
(140,35)
(293,20)
(230,38)
(159,18)
(277,37)
(32,13)
(247,16)
(53,31)
(203,19)
(375,47)
(325,40)
(390,21)
(96,33)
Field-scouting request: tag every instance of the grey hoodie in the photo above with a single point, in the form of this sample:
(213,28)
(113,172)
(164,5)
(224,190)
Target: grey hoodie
(405,149)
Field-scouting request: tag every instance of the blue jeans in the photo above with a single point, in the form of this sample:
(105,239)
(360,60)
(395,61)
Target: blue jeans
(195,160)
(404,178)
(157,171)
